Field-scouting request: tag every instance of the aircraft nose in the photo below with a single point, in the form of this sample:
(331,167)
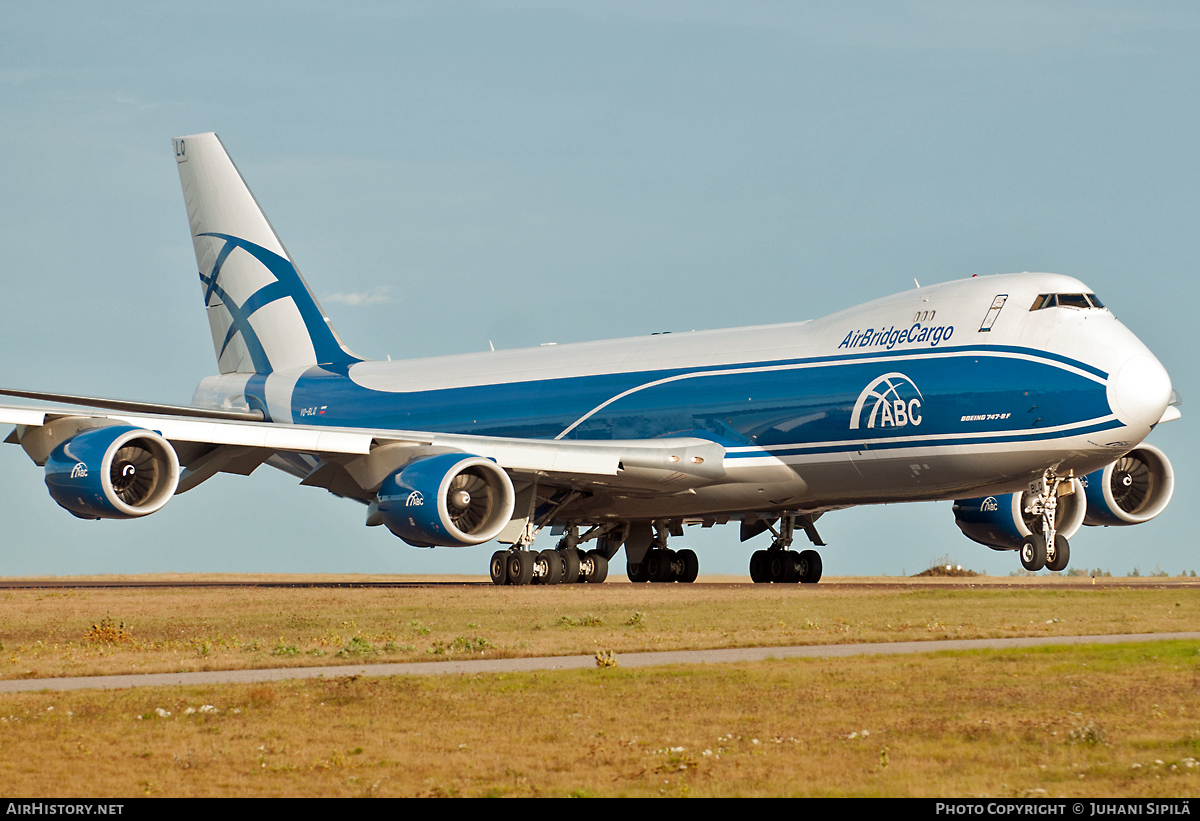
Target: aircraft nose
(1139,390)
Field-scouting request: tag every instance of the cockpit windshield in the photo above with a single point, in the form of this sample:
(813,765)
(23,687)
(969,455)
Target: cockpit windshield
(1066,301)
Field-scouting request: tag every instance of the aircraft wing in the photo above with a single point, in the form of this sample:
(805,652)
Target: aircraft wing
(355,461)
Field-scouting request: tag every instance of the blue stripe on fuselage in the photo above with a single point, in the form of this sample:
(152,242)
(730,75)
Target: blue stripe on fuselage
(769,404)
(984,438)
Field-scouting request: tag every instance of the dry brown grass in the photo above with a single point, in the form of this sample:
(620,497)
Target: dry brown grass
(55,632)
(1061,722)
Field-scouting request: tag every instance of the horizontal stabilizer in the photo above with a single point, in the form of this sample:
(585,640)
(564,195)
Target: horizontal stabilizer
(136,407)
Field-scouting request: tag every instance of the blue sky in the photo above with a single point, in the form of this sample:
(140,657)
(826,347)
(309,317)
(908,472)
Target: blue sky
(449,174)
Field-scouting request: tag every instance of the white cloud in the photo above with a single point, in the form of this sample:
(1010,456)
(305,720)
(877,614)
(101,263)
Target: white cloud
(357,298)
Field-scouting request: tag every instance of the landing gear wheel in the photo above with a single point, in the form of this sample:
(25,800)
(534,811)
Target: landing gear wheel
(520,567)
(1033,553)
(779,566)
(691,566)
(1062,554)
(808,565)
(548,567)
(759,572)
(794,571)
(570,559)
(636,571)
(499,567)
(658,565)
(599,567)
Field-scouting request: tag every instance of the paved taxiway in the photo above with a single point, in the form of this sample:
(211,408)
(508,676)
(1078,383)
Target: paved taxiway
(566,662)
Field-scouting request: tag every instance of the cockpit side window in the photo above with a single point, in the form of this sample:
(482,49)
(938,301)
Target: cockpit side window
(1043,301)
(1095,301)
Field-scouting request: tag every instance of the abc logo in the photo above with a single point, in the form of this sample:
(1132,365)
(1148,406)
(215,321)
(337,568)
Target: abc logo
(889,403)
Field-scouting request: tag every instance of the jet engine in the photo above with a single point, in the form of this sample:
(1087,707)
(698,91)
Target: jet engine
(113,472)
(1001,523)
(447,500)
(1134,489)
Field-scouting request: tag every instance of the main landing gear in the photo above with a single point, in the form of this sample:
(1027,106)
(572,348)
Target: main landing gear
(566,564)
(1047,549)
(661,564)
(781,565)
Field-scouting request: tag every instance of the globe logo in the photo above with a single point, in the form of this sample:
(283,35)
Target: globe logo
(888,407)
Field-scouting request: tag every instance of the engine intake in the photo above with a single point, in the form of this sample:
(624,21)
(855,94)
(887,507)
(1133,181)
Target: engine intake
(1134,489)
(447,500)
(113,472)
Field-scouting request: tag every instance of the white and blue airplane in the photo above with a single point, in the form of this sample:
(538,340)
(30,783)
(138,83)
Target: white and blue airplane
(1020,396)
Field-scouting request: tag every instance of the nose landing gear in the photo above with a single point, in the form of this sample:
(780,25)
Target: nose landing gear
(1047,549)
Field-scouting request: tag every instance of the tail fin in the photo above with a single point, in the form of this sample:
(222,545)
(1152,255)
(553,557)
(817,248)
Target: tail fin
(262,315)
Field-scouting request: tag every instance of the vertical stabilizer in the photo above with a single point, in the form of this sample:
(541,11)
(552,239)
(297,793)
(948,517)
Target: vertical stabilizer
(262,315)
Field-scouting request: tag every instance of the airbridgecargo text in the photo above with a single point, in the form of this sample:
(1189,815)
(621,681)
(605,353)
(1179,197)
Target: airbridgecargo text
(893,336)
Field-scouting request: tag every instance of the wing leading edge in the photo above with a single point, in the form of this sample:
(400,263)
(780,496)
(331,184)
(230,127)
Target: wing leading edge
(367,456)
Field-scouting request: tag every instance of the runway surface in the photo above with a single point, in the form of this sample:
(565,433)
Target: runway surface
(874,583)
(476,666)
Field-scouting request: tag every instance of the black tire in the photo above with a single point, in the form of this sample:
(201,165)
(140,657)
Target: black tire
(599,567)
(1062,554)
(570,557)
(553,567)
(758,567)
(658,565)
(1033,552)
(520,567)
(636,571)
(808,565)
(691,566)
(541,569)
(499,567)
(791,567)
(779,565)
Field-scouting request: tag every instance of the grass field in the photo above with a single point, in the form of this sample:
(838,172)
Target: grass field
(65,632)
(1113,720)
(1083,721)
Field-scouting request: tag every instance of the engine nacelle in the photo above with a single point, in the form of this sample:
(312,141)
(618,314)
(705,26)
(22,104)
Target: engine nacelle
(1134,489)
(447,500)
(113,472)
(1001,523)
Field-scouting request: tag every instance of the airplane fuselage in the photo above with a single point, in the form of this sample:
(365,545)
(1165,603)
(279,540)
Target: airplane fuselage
(951,390)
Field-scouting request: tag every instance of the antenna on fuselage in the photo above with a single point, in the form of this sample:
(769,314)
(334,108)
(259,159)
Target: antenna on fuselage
(916,283)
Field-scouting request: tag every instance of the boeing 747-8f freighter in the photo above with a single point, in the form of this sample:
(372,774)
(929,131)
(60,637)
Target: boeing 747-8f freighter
(1020,396)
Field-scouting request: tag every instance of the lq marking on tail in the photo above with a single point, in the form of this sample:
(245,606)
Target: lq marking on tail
(889,408)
